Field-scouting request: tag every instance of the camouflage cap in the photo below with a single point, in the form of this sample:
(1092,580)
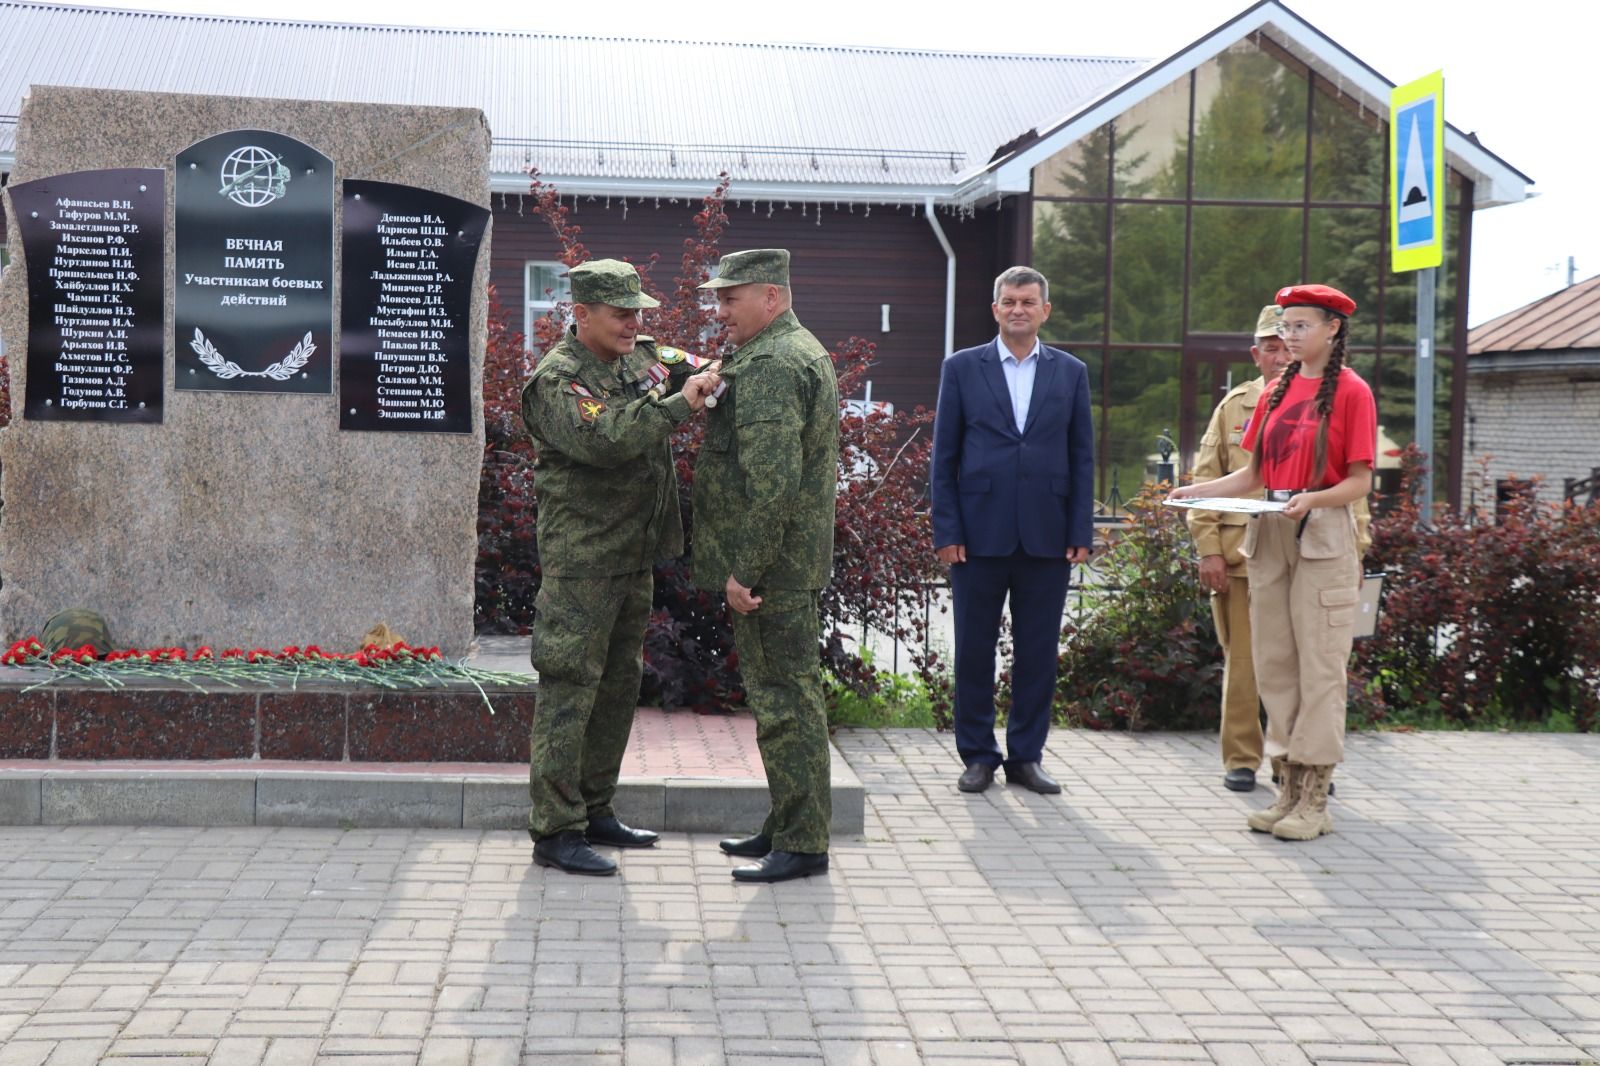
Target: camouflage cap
(609,281)
(75,627)
(759,266)
(1267,321)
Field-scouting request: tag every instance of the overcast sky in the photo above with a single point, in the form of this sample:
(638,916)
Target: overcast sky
(1520,75)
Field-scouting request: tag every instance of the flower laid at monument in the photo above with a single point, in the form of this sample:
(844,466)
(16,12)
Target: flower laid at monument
(396,665)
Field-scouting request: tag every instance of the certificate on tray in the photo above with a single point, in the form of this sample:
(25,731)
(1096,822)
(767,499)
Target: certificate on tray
(1228,503)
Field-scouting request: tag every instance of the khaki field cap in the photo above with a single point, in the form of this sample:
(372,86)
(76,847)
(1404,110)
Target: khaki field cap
(759,266)
(609,281)
(1267,321)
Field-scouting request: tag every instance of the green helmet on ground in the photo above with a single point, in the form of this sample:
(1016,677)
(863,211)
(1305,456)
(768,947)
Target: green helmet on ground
(75,627)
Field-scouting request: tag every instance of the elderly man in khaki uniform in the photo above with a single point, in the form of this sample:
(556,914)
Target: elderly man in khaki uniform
(1218,537)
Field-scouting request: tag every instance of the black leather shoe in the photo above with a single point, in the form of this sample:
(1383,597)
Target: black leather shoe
(1240,779)
(751,847)
(609,830)
(976,778)
(782,866)
(568,851)
(1030,776)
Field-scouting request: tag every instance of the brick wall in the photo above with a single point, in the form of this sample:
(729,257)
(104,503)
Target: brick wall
(1544,424)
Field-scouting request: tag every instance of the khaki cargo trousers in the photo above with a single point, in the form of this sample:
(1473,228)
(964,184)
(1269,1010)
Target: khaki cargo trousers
(1240,731)
(1304,587)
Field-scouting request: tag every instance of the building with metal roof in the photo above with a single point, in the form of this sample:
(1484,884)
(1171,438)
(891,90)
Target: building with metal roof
(1166,199)
(1533,397)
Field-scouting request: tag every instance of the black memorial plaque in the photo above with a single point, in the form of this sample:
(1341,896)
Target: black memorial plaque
(93,244)
(253,306)
(406,290)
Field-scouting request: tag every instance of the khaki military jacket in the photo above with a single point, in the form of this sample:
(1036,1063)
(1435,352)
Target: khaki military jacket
(768,471)
(1220,452)
(604,478)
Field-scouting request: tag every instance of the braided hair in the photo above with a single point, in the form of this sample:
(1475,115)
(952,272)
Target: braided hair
(1323,402)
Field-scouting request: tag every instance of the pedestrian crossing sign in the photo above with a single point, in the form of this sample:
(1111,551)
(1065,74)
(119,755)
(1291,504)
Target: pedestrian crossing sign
(1416,189)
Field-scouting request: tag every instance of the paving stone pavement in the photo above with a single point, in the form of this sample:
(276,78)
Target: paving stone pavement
(1454,919)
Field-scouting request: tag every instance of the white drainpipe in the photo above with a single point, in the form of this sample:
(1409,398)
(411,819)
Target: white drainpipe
(949,278)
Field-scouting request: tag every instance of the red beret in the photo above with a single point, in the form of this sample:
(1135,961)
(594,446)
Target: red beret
(1323,296)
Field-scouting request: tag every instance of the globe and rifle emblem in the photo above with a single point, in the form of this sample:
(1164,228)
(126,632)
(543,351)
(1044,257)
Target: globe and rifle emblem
(253,177)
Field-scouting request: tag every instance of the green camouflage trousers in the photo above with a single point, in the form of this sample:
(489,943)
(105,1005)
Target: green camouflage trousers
(588,647)
(777,646)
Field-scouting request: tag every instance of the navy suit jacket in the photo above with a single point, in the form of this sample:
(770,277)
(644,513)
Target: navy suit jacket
(995,489)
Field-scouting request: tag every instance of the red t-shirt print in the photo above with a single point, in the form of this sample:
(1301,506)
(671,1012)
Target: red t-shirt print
(1290,444)
(1292,425)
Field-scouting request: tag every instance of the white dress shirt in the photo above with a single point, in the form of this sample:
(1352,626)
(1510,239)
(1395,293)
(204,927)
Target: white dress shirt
(1019,379)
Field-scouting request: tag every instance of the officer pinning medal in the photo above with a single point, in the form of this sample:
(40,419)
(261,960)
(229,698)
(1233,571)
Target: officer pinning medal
(601,406)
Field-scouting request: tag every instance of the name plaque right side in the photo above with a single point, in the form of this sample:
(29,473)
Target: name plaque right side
(405,362)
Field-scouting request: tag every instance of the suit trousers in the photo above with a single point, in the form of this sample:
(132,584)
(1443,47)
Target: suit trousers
(1240,732)
(588,646)
(1304,586)
(1037,589)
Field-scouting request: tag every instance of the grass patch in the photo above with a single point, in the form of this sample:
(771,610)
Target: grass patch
(897,702)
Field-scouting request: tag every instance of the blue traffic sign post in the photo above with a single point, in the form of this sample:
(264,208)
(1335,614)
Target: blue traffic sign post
(1416,231)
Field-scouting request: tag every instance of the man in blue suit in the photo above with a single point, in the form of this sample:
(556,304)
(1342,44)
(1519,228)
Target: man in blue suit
(1012,484)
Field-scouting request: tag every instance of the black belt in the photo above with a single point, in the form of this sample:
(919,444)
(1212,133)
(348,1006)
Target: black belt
(1283,495)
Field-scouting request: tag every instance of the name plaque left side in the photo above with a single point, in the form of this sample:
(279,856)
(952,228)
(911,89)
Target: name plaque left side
(92,240)
(253,294)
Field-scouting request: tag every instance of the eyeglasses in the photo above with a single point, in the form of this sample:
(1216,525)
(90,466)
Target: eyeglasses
(1296,329)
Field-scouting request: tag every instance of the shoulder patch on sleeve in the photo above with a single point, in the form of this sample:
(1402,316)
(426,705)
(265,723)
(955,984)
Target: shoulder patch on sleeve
(589,408)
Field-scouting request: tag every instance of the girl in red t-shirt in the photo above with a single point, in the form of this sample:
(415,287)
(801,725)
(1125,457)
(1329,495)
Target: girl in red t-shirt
(1312,444)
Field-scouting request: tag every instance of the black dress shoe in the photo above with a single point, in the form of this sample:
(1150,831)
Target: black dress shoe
(976,778)
(609,830)
(1030,776)
(1240,779)
(782,866)
(568,851)
(753,847)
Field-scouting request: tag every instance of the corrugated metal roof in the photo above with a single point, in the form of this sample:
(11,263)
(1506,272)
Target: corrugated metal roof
(1566,320)
(777,113)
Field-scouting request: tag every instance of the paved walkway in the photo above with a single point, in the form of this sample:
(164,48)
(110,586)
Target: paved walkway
(1454,919)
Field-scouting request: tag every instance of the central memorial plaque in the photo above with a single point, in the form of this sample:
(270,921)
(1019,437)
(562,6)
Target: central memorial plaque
(253,300)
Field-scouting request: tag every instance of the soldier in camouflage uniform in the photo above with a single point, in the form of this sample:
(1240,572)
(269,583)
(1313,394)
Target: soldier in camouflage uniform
(600,407)
(764,490)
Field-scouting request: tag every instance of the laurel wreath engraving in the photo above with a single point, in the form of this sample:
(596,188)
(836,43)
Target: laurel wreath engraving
(282,370)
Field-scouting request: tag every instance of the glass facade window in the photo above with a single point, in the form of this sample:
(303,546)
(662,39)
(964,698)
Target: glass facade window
(1348,249)
(1152,146)
(1346,149)
(1265,175)
(1083,168)
(1147,273)
(1239,250)
(1249,127)
(1141,403)
(1069,248)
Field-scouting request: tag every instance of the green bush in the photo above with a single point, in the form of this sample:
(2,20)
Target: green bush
(1145,655)
(1486,625)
